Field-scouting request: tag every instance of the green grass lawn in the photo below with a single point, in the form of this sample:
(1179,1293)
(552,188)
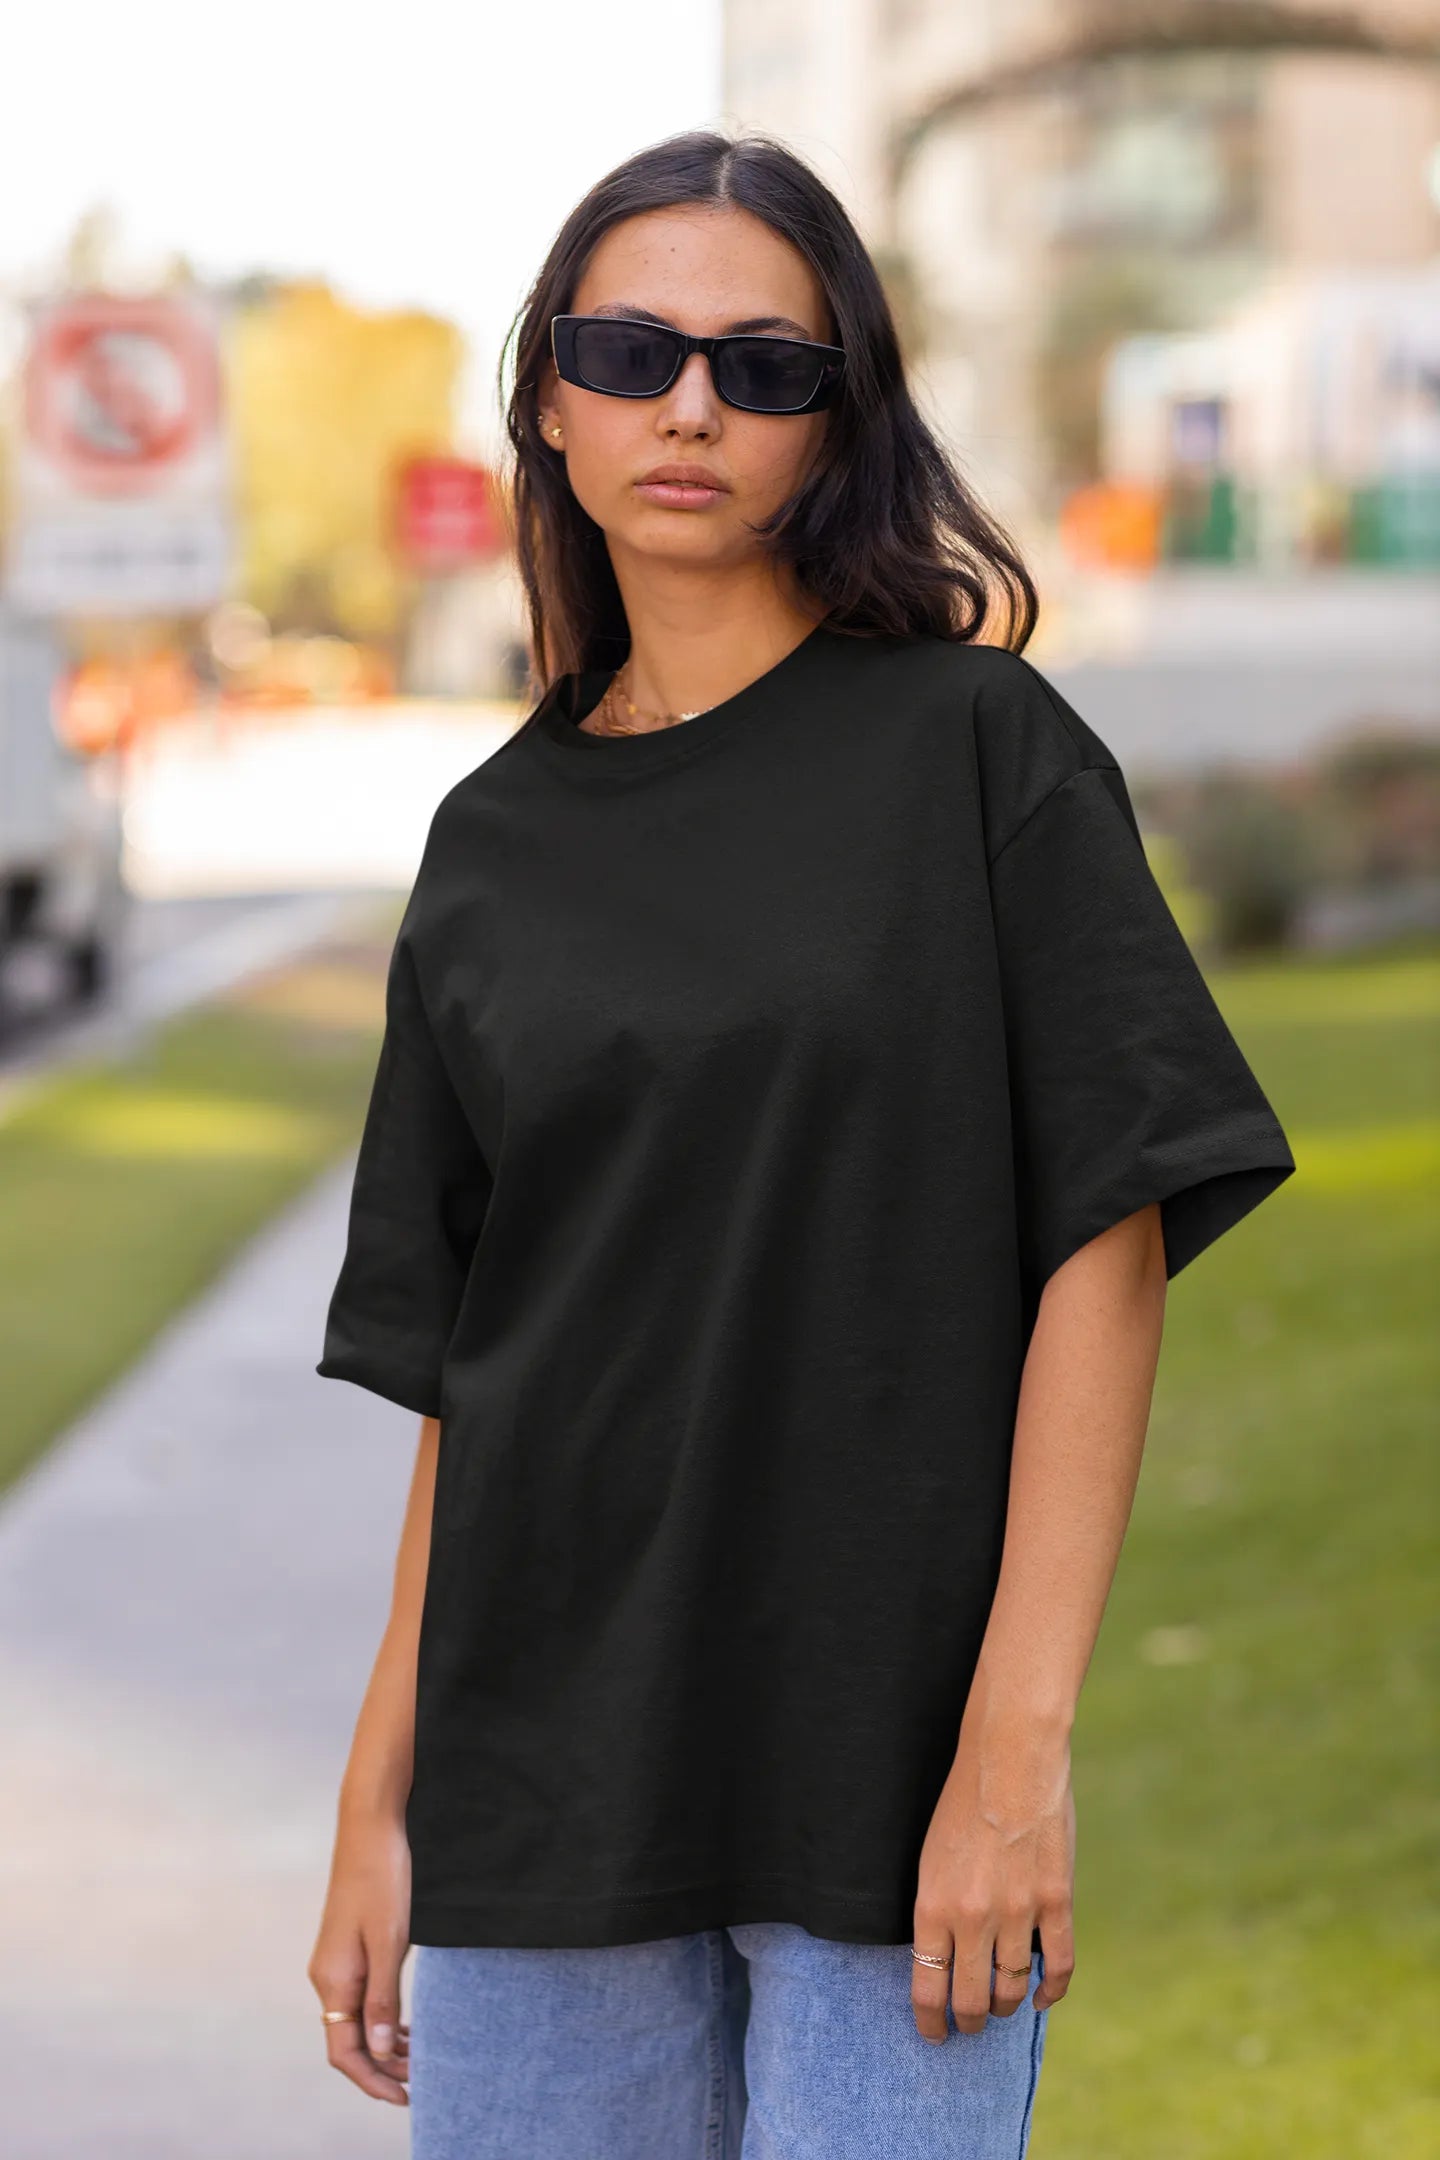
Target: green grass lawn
(1258,1897)
(127,1185)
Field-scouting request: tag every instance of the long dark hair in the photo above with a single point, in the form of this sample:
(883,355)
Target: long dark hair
(883,534)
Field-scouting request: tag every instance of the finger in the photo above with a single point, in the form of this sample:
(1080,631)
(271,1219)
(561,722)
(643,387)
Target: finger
(349,2055)
(970,1981)
(384,1957)
(930,1984)
(1010,1977)
(1057,1958)
(340,1985)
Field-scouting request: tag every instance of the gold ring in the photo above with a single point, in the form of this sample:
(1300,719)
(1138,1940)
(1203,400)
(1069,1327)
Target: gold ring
(944,1963)
(340,2017)
(1016,1972)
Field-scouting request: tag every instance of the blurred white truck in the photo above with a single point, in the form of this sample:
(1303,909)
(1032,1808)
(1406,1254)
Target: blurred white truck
(61,880)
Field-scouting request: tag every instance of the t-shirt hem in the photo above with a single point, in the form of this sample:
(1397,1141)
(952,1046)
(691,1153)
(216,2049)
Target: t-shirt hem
(647,1915)
(524,1922)
(410,1389)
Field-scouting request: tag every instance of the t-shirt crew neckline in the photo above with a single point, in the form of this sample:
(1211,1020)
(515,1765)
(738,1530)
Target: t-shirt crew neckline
(572,698)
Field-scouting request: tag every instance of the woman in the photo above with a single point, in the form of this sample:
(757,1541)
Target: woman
(794,1099)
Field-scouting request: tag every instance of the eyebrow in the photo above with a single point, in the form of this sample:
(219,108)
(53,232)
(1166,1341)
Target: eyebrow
(746,326)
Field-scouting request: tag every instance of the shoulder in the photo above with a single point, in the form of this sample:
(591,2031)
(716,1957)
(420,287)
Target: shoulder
(1024,737)
(466,834)
(1001,694)
(476,809)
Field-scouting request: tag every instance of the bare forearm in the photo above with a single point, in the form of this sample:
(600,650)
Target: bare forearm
(377,1775)
(1080,1426)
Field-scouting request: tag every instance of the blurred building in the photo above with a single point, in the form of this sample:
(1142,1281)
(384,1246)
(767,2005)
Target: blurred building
(1166,276)
(1041,178)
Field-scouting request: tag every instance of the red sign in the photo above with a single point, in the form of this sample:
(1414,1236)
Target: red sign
(120,391)
(446,514)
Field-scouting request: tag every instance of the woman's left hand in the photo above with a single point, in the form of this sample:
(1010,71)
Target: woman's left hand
(998,1859)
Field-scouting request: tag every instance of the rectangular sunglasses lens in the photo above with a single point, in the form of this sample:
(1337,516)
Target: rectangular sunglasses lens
(769,374)
(627,358)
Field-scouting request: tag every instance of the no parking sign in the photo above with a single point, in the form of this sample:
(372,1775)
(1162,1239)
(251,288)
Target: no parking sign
(121,499)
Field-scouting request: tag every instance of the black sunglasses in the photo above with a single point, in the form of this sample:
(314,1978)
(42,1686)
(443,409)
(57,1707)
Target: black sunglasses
(623,357)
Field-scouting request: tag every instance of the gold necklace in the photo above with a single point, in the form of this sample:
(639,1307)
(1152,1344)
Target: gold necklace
(656,720)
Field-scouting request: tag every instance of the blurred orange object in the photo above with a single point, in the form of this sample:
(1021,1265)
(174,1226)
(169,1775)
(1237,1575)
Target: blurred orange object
(377,672)
(103,703)
(95,708)
(1113,525)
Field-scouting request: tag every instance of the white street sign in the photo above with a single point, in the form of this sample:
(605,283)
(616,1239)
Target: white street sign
(121,497)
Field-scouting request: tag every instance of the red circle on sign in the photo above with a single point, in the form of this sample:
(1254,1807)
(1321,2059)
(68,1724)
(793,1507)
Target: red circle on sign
(117,390)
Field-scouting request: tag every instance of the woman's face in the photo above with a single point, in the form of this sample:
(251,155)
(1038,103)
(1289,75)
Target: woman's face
(709,272)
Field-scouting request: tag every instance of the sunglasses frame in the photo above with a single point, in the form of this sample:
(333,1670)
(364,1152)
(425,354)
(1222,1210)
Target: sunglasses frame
(562,347)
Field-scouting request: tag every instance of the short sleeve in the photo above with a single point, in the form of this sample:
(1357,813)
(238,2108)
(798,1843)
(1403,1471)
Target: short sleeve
(417,1203)
(1126,1084)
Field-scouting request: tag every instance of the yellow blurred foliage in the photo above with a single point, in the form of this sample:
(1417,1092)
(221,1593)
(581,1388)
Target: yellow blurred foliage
(326,402)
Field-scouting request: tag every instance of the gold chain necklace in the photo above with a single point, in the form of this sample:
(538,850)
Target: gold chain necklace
(616,726)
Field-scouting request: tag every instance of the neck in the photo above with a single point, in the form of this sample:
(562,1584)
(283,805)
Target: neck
(693,646)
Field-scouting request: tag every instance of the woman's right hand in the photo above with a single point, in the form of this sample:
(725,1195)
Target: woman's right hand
(355,1965)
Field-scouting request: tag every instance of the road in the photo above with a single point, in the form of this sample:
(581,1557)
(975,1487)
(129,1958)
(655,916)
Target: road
(1194,666)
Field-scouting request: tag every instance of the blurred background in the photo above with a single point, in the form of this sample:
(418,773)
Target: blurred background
(1168,277)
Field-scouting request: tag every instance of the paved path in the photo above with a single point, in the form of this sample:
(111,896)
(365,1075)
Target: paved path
(192,1586)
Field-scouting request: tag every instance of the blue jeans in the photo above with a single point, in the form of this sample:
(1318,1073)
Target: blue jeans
(760,2042)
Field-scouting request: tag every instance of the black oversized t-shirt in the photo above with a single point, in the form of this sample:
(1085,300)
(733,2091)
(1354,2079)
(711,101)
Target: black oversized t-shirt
(742,1083)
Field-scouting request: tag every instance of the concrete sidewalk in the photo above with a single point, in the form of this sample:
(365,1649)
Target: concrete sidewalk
(192,1587)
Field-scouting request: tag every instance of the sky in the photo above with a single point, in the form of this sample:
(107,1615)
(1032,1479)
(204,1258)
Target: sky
(429,167)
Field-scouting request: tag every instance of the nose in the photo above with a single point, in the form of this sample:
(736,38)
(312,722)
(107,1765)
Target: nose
(691,402)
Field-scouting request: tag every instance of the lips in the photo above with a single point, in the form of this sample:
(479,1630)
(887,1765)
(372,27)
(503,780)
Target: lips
(680,487)
(682,476)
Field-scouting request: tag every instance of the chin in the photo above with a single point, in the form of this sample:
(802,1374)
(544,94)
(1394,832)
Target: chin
(681,536)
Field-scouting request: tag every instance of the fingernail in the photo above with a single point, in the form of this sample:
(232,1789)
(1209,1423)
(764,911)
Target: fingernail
(382,2039)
